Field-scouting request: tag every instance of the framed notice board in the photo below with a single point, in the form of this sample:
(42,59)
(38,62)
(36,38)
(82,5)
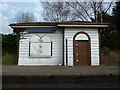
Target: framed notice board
(40,49)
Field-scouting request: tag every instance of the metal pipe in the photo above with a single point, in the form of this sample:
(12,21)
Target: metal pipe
(66,54)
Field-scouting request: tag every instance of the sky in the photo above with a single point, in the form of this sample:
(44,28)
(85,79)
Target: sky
(8,11)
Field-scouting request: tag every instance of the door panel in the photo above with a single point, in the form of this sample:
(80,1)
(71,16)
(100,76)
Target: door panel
(81,52)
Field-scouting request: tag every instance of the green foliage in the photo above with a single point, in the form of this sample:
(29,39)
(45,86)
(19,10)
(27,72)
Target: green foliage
(113,37)
(115,40)
(9,59)
(7,63)
(9,44)
(18,33)
(9,49)
(116,15)
(112,58)
(106,17)
(110,36)
(106,50)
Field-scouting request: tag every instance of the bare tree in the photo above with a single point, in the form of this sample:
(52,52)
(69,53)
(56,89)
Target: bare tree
(56,12)
(75,11)
(24,17)
(89,11)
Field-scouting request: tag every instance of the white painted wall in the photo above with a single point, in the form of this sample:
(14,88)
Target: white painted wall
(57,47)
(93,33)
(57,50)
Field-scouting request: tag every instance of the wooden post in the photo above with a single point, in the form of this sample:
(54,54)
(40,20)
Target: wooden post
(17,51)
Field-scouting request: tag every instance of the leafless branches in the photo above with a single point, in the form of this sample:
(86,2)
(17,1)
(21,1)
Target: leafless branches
(90,10)
(73,11)
(55,11)
(24,17)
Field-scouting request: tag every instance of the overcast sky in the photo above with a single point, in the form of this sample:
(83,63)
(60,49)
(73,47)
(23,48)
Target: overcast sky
(9,10)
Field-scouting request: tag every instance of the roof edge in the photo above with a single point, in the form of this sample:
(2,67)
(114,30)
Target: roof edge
(95,26)
(59,24)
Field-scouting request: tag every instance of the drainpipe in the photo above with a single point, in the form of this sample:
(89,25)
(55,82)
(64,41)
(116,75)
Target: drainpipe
(66,54)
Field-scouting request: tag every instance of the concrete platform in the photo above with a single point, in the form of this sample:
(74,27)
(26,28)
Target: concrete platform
(16,70)
(59,77)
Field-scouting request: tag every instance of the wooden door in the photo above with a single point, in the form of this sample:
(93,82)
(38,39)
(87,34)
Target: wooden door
(81,53)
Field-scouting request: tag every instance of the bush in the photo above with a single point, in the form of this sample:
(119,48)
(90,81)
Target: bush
(9,49)
(112,58)
(7,63)
(9,44)
(106,50)
(9,59)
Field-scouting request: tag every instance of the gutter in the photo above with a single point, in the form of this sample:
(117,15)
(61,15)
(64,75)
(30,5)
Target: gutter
(95,26)
(33,26)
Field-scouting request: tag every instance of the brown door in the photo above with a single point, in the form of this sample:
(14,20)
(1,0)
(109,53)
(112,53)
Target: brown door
(81,53)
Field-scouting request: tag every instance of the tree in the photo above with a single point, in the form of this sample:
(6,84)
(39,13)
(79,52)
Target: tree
(24,17)
(116,23)
(106,32)
(9,49)
(56,12)
(8,44)
(116,15)
(75,11)
(111,35)
(89,11)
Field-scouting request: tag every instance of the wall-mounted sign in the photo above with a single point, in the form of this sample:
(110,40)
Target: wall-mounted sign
(41,48)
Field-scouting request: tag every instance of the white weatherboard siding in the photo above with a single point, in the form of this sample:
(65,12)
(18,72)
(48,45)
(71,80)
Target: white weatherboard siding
(93,34)
(57,50)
